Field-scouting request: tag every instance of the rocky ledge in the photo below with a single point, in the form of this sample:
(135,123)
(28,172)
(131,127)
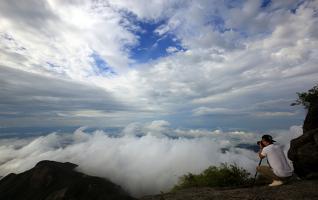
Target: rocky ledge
(305,190)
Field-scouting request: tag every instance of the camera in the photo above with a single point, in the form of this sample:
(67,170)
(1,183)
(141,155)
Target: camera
(260,143)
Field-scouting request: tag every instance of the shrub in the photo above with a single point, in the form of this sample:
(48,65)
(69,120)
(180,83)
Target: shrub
(222,176)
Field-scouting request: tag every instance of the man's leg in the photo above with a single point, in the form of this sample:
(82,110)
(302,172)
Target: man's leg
(267,172)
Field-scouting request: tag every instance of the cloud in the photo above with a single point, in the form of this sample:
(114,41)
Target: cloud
(274,114)
(208,111)
(32,99)
(172,49)
(213,76)
(235,56)
(25,14)
(143,158)
(155,11)
(64,34)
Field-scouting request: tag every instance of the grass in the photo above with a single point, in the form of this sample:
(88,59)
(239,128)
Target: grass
(224,175)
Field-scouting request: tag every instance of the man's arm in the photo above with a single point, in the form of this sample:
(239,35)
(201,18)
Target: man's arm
(261,156)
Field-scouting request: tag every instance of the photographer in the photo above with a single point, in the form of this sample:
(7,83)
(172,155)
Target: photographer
(278,168)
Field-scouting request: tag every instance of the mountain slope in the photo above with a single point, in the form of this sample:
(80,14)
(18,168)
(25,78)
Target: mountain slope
(50,180)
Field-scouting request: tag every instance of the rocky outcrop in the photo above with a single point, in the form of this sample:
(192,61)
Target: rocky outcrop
(304,149)
(292,191)
(50,180)
(311,120)
(304,154)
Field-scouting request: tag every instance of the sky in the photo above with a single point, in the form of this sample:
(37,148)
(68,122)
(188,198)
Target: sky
(141,92)
(196,64)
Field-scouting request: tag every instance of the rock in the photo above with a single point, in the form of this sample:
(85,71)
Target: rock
(304,154)
(294,191)
(304,149)
(311,120)
(50,180)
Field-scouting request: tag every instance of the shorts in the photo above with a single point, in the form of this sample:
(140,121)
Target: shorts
(268,173)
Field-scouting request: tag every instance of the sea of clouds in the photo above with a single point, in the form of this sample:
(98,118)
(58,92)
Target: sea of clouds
(143,158)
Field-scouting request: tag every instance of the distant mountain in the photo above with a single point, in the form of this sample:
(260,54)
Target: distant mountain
(50,180)
(252,147)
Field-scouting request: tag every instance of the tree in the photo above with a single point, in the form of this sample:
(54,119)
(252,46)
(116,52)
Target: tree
(310,101)
(307,98)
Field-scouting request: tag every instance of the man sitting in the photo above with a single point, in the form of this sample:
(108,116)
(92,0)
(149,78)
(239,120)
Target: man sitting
(278,168)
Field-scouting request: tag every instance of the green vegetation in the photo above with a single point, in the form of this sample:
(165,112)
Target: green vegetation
(307,98)
(222,176)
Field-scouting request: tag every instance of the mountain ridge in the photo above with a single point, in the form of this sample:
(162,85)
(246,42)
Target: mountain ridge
(51,180)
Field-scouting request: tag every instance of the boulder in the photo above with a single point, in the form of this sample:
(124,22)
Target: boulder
(304,154)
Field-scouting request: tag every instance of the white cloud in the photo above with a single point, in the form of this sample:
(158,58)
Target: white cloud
(172,49)
(274,114)
(156,10)
(142,164)
(208,111)
(65,36)
(213,76)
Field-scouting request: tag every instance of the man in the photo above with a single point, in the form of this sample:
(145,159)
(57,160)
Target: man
(279,168)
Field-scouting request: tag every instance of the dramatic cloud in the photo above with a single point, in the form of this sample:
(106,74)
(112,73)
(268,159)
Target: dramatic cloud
(31,99)
(143,158)
(193,63)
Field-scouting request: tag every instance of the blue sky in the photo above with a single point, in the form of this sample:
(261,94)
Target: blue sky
(152,45)
(101,65)
(195,64)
